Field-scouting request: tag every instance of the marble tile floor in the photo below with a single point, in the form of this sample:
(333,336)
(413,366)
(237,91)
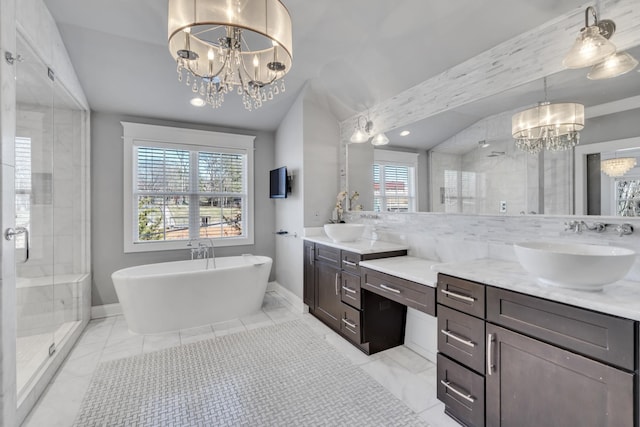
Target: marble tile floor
(408,376)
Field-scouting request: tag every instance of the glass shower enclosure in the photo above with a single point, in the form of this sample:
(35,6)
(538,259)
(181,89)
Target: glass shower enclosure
(51,216)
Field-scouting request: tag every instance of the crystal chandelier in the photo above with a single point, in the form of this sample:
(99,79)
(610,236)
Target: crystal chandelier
(222,46)
(548,126)
(618,166)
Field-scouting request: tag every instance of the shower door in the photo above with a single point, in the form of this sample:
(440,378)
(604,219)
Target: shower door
(34,238)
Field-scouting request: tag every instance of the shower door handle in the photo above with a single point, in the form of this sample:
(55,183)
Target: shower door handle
(10,233)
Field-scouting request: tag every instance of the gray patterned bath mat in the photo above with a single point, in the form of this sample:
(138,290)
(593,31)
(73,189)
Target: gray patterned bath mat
(282,375)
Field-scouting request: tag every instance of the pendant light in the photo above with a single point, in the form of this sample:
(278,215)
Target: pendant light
(618,166)
(548,126)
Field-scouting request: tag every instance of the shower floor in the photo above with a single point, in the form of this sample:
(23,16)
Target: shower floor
(33,351)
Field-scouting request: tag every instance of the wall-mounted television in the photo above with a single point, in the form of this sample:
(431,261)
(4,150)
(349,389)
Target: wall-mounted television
(278,183)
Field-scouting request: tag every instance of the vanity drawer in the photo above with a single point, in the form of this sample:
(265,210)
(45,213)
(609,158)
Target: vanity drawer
(463,295)
(462,392)
(350,323)
(600,336)
(351,262)
(328,255)
(405,292)
(462,338)
(350,290)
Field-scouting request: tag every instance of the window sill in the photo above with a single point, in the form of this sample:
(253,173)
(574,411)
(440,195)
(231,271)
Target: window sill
(155,246)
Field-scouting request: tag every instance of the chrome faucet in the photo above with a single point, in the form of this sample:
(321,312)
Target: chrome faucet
(575,226)
(579,226)
(206,248)
(624,229)
(203,250)
(195,252)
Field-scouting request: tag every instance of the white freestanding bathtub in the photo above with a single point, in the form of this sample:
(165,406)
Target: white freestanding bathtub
(169,296)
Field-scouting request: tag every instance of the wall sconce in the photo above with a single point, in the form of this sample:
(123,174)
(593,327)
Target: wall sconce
(380,139)
(593,49)
(362,133)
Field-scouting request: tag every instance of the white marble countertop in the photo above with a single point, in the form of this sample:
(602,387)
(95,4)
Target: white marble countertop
(417,270)
(361,246)
(619,299)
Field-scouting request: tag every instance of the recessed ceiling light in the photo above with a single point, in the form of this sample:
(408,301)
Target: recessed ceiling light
(404,133)
(197,102)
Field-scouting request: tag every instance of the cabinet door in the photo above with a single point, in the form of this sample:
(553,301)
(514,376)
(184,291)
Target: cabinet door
(309,276)
(532,384)
(327,296)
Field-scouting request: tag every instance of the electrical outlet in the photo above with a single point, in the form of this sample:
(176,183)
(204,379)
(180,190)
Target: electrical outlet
(503,206)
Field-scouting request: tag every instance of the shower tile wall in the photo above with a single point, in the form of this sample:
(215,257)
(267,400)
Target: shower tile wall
(510,175)
(53,194)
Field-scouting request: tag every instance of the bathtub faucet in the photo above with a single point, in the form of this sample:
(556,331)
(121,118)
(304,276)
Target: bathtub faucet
(196,253)
(204,250)
(208,251)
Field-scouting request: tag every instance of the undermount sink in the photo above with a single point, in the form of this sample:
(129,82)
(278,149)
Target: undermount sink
(344,232)
(573,265)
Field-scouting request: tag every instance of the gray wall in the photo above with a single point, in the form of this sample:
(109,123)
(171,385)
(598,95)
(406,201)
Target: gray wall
(620,125)
(107,198)
(307,142)
(289,211)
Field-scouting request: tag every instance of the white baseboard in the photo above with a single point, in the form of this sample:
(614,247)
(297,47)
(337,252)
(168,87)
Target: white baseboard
(291,298)
(106,310)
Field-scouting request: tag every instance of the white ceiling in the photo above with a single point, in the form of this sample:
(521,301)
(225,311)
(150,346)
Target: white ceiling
(359,52)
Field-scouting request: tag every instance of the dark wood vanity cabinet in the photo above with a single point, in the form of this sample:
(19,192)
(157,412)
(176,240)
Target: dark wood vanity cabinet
(308,296)
(510,359)
(328,305)
(532,383)
(333,292)
(461,349)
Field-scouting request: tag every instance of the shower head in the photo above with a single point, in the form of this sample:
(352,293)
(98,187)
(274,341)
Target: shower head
(496,154)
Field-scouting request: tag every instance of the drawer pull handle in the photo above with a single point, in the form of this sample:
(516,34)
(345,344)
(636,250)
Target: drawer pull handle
(336,282)
(349,263)
(490,365)
(466,396)
(349,290)
(390,289)
(352,325)
(462,340)
(457,295)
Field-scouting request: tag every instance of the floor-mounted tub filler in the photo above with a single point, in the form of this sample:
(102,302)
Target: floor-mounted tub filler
(170,296)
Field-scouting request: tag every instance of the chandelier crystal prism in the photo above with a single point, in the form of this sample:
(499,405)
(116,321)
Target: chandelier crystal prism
(226,46)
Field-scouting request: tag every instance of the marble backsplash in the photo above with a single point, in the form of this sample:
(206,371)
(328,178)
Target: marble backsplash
(458,237)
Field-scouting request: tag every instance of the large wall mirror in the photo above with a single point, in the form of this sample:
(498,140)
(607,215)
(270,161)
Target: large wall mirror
(465,160)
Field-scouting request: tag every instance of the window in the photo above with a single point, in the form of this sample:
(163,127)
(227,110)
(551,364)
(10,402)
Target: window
(394,181)
(182,184)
